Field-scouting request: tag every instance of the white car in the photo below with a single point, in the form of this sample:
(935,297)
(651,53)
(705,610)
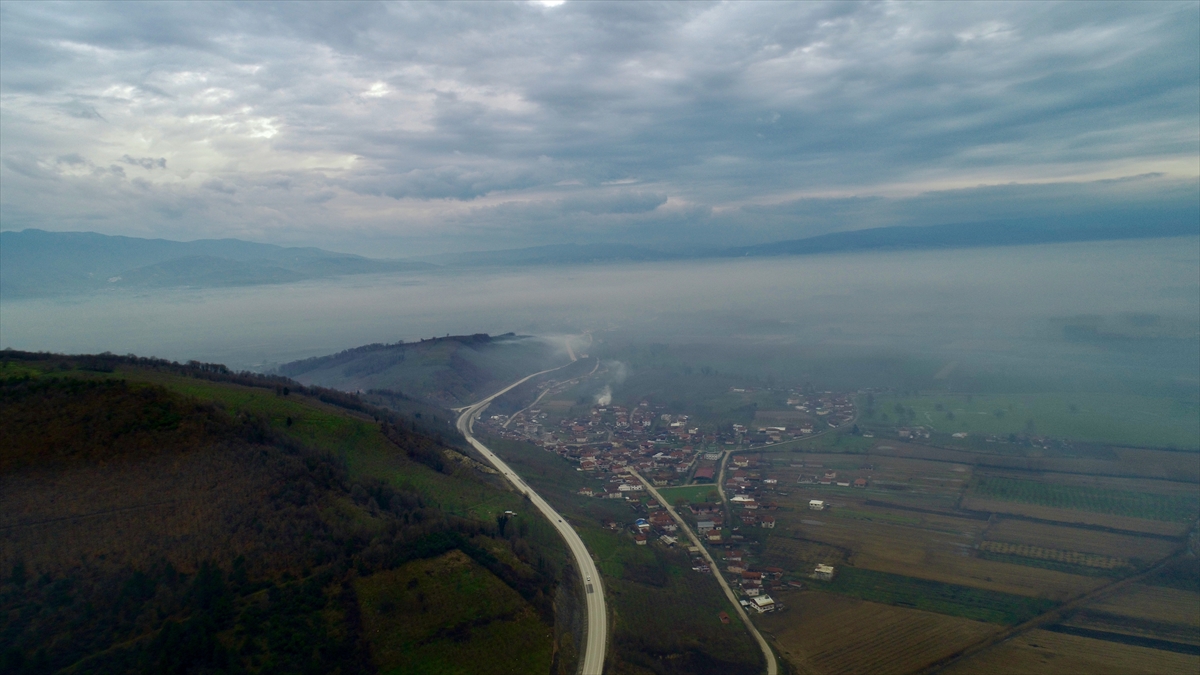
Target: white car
(589,577)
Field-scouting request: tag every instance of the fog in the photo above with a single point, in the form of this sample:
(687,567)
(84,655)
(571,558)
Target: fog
(1108,311)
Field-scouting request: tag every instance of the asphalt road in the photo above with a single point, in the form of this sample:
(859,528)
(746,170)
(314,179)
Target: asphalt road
(596,643)
(768,655)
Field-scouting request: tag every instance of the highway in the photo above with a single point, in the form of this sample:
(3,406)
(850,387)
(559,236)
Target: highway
(596,644)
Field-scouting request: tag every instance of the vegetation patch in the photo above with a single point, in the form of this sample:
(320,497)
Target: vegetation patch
(934,596)
(1173,508)
(692,494)
(467,620)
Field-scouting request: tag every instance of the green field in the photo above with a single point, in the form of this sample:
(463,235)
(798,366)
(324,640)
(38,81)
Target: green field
(934,596)
(1173,508)
(1119,419)
(692,494)
(471,622)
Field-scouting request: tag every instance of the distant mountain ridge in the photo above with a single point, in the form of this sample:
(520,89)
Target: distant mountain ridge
(891,238)
(36,263)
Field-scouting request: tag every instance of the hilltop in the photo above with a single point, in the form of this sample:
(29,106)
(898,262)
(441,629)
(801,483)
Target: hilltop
(185,518)
(448,371)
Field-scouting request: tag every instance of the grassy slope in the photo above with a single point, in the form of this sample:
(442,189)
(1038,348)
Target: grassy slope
(470,621)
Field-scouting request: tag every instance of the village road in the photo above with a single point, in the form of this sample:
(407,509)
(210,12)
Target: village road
(772,664)
(596,643)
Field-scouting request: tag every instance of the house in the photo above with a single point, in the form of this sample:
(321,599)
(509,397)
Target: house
(860,482)
(642,525)
(823,572)
(668,540)
(704,473)
(703,526)
(587,492)
(639,539)
(723,617)
(714,537)
(816,504)
(768,522)
(762,604)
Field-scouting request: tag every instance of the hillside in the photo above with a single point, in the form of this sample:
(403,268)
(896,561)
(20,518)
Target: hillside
(449,371)
(182,518)
(35,263)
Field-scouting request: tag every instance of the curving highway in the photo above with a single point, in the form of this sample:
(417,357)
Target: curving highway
(592,662)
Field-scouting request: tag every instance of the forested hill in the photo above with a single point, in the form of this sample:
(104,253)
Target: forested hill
(159,517)
(450,371)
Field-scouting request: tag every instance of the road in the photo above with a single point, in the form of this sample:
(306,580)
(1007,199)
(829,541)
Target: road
(772,664)
(596,643)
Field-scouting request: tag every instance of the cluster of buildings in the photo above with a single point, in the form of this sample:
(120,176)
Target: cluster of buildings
(832,478)
(663,447)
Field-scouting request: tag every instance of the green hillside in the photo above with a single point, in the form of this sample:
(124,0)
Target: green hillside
(157,517)
(449,371)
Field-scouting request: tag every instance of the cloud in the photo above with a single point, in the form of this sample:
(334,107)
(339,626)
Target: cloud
(146,162)
(354,125)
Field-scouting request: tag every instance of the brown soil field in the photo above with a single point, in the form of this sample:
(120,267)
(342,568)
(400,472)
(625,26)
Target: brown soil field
(1153,603)
(1162,464)
(945,554)
(824,634)
(1076,539)
(1073,516)
(1044,652)
(811,552)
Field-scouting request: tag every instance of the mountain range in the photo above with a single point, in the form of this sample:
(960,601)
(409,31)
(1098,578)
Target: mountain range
(37,263)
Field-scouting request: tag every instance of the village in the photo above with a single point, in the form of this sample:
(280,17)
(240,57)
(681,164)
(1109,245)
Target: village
(673,450)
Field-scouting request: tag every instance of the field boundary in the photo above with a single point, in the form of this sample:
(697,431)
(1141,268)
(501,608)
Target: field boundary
(1053,616)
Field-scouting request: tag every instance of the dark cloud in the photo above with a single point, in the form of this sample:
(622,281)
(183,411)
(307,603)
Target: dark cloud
(517,123)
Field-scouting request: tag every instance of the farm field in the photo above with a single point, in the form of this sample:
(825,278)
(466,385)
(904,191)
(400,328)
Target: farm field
(935,596)
(1043,652)
(1154,603)
(1118,419)
(939,548)
(1044,535)
(461,634)
(828,634)
(1170,506)
(1126,523)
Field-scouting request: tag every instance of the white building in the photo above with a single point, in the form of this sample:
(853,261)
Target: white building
(816,504)
(762,603)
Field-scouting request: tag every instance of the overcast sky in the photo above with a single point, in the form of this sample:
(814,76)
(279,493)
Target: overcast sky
(401,129)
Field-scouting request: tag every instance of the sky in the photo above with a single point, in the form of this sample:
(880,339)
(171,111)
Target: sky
(408,129)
